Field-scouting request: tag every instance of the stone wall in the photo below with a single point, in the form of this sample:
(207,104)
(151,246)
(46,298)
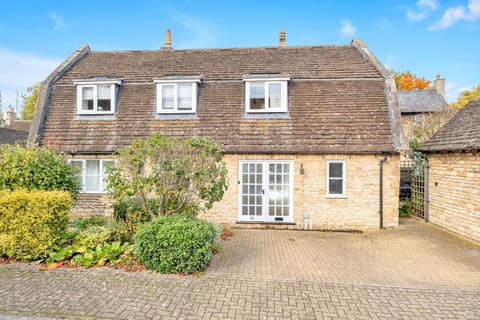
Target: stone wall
(358,210)
(454,185)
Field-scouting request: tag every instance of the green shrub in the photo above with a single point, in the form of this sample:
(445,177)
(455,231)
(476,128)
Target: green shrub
(406,209)
(84,223)
(175,244)
(35,168)
(32,222)
(96,235)
(131,212)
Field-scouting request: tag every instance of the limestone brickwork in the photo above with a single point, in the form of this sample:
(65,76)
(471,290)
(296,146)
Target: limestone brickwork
(455,192)
(358,210)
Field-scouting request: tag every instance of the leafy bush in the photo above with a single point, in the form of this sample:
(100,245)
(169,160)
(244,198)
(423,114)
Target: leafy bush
(32,222)
(81,254)
(175,244)
(84,223)
(35,168)
(131,212)
(406,209)
(97,234)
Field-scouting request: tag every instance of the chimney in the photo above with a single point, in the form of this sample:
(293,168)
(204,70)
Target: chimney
(168,39)
(282,38)
(439,85)
(11,116)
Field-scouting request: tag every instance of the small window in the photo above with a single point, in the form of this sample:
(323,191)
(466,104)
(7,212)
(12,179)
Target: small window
(96,97)
(419,119)
(336,178)
(266,96)
(92,174)
(177,95)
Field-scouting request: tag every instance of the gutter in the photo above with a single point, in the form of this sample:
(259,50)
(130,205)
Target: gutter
(381,190)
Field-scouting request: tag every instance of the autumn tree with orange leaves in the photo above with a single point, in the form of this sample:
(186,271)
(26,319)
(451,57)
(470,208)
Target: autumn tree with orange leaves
(408,81)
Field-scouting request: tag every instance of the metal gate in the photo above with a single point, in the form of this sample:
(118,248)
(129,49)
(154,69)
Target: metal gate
(412,185)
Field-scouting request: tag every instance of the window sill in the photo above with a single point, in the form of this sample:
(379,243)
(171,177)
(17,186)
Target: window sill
(176,116)
(266,115)
(95,117)
(329,196)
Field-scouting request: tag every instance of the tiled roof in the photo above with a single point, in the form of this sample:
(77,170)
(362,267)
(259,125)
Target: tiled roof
(336,100)
(417,101)
(462,132)
(22,125)
(10,136)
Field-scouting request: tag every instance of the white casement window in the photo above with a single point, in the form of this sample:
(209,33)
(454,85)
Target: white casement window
(336,176)
(266,95)
(177,94)
(92,174)
(97,96)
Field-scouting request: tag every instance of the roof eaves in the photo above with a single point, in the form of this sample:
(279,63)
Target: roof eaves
(45,91)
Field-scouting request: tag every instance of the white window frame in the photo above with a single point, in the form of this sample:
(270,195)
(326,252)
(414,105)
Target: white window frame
(283,81)
(161,83)
(102,188)
(343,178)
(114,84)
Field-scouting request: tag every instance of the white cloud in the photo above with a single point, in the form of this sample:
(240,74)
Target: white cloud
(347,28)
(21,70)
(59,22)
(429,4)
(450,17)
(415,16)
(424,7)
(453,15)
(203,32)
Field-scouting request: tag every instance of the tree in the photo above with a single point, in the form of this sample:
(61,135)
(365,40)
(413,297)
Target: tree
(30,102)
(36,168)
(465,97)
(1,110)
(179,173)
(408,81)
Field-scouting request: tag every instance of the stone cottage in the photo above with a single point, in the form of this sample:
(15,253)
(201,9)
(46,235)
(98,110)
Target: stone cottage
(454,175)
(307,131)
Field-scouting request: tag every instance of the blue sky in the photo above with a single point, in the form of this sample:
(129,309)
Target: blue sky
(424,36)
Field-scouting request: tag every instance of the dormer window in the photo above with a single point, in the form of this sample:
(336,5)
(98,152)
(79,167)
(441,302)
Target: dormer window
(97,96)
(266,93)
(178,94)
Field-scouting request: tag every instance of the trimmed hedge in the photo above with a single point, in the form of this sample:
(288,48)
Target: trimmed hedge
(32,222)
(175,244)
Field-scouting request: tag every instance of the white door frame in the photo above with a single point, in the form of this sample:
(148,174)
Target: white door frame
(262,194)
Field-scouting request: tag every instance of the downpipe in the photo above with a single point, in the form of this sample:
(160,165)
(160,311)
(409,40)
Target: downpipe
(426,188)
(381,190)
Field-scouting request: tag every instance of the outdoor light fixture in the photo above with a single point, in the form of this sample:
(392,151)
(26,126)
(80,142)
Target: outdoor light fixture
(302,171)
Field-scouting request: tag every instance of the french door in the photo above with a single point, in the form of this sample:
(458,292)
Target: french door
(265,192)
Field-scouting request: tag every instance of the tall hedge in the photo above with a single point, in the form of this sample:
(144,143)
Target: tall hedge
(35,168)
(32,222)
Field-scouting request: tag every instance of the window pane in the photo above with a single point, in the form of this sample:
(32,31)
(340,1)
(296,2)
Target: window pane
(335,186)
(257,95)
(87,98)
(184,97)
(78,170)
(92,175)
(168,97)
(104,98)
(335,170)
(275,95)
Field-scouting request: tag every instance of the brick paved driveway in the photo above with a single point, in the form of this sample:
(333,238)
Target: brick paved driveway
(413,272)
